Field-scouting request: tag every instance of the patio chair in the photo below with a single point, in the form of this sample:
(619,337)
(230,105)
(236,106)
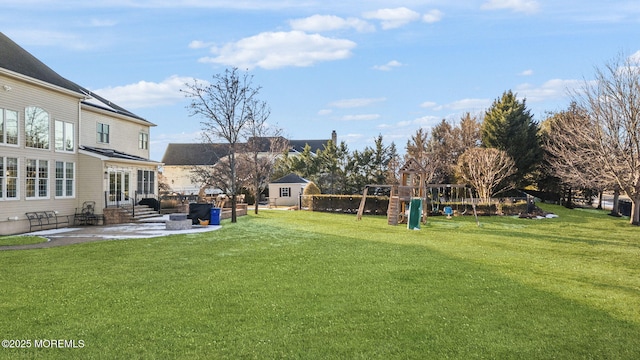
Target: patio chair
(86,215)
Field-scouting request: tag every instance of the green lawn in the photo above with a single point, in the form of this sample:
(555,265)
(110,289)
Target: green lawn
(304,285)
(20,240)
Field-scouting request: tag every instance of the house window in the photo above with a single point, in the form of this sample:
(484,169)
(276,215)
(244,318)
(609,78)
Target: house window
(8,127)
(64,179)
(146,182)
(143,141)
(64,136)
(8,178)
(285,192)
(103,133)
(36,127)
(37,179)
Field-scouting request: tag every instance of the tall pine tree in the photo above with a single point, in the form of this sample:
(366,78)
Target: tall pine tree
(508,125)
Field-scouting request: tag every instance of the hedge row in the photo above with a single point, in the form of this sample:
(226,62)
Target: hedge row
(348,204)
(377,205)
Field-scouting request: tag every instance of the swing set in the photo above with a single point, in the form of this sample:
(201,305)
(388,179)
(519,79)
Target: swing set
(434,199)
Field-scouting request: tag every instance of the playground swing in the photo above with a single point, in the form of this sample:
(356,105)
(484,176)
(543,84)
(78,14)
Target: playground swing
(414,190)
(448,211)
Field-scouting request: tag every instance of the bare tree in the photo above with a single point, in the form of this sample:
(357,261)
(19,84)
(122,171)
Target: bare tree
(608,138)
(448,141)
(223,106)
(564,145)
(486,169)
(264,144)
(418,149)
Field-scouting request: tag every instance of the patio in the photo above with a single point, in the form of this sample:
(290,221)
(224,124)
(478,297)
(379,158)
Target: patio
(153,227)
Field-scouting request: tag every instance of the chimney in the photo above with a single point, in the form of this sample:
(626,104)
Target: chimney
(334,137)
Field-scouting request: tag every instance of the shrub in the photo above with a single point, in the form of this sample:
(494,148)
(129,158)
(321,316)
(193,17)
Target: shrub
(309,190)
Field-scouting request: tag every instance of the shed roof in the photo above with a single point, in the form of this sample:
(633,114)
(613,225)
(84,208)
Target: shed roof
(291,179)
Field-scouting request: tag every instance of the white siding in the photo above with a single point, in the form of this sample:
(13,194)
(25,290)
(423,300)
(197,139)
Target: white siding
(59,106)
(179,180)
(294,194)
(123,133)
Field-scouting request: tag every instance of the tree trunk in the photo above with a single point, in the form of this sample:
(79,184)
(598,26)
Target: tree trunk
(234,183)
(569,203)
(600,199)
(615,210)
(256,204)
(234,202)
(635,210)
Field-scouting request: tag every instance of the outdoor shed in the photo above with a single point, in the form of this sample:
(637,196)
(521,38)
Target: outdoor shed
(286,191)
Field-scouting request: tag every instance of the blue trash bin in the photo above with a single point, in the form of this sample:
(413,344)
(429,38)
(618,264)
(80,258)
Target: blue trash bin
(215,216)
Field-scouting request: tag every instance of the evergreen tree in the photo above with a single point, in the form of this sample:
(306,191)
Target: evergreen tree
(382,155)
(509,126)
(331,165)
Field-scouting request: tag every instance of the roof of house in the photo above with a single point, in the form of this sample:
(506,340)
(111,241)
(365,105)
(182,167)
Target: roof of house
(298,145)
(264,144)
(194,154)
(114,154)
(98,101)
(16,59)
(290,179)
(189,154)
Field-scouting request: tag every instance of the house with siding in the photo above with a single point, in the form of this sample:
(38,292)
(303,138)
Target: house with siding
(62,145)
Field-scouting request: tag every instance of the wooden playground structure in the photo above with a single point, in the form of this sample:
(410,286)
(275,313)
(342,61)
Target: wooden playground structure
(447,199)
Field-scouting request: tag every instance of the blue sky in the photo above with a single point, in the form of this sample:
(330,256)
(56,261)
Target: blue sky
(362,68)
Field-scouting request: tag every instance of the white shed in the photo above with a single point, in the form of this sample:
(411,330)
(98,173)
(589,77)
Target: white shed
(286,191)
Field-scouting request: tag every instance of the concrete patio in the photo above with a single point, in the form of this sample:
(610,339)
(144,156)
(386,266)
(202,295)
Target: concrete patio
(152,227)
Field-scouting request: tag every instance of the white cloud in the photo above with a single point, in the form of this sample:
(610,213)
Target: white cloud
(324,112)
(320,23)
(273,50)
(421,122)
(393,18)
(388,66)
(524,6)
(527,72)
(360,117)
(635,57)
(551,90)
(146,94)
(428,104)
(468,105)
(426,121)
(358,102)
(432,16)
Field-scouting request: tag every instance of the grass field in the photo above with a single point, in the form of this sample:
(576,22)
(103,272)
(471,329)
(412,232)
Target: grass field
(307,285)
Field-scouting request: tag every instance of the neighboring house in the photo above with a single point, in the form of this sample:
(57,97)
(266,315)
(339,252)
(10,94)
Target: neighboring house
(62,145)
(286,191)
(180,159)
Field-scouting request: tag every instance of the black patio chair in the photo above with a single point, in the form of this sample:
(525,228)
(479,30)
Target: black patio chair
(86,215)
